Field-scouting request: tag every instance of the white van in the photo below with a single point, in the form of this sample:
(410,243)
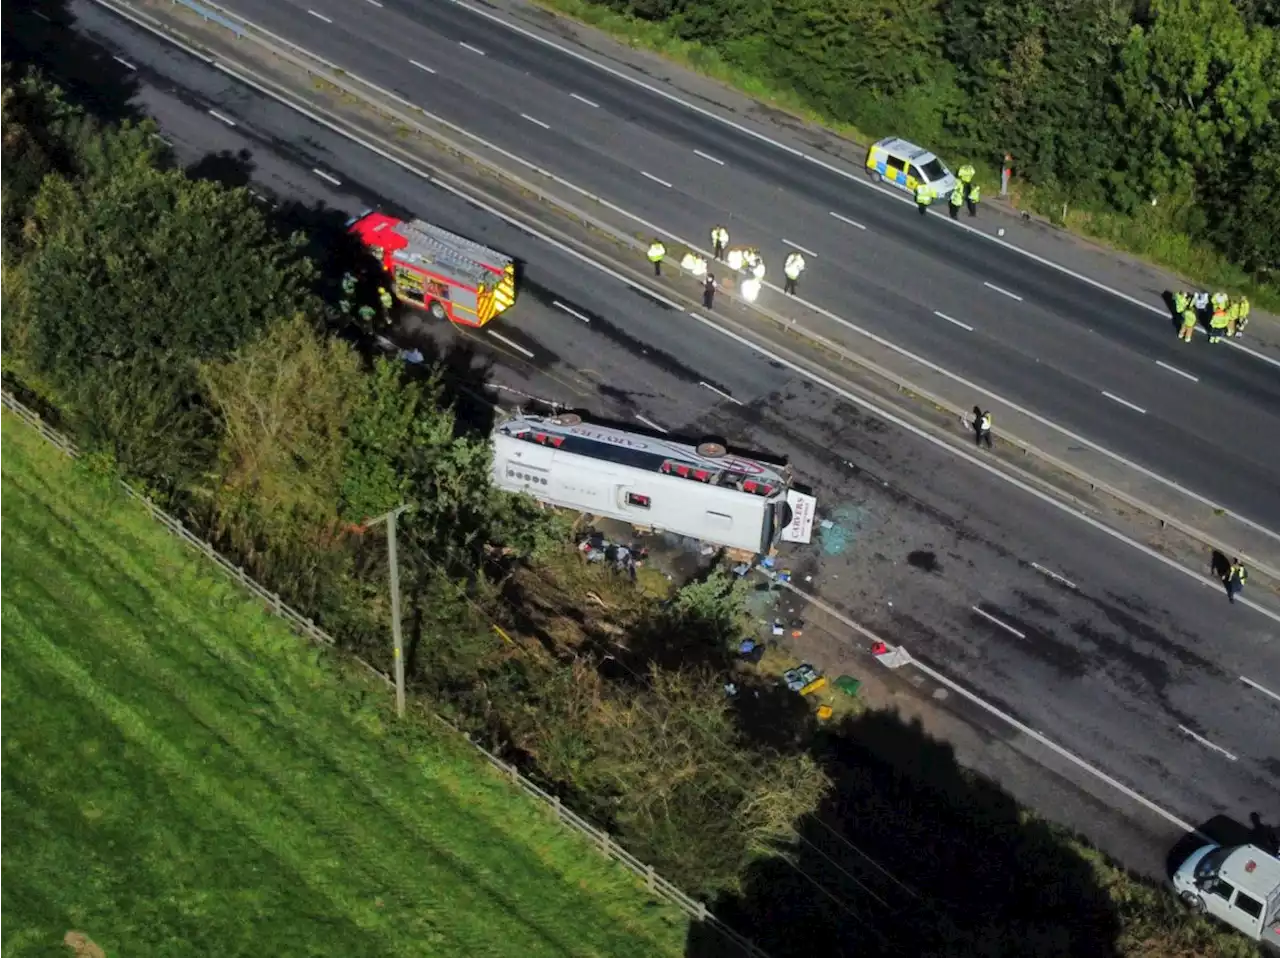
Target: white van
(1238,885)
(906,165)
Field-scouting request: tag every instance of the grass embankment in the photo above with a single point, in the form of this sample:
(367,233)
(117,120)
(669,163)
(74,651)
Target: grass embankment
(182,775)
(1145,236)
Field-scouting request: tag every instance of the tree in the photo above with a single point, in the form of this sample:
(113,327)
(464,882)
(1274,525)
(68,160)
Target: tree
(1194,85)
(147,261)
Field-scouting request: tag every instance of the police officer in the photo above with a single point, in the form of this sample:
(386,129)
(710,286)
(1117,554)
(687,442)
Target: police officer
(1235,579)
(657,252)
(693,264)
(957,200)
(981,427)
(1200,303)
(793,267)
(924,196)
(385,298)
(709,291)
(966,174)
(719,241)
(975,194)
(1243,319)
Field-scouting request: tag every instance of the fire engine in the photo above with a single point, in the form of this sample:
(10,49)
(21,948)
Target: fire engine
(700,491)
(449,276)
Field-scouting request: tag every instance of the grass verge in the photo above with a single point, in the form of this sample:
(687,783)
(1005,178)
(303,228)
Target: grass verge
(1162,247)
(182,776)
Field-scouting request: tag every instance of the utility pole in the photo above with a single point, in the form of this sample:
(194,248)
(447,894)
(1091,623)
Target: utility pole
(396,637)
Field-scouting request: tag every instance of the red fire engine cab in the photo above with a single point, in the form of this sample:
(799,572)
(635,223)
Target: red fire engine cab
(449,276)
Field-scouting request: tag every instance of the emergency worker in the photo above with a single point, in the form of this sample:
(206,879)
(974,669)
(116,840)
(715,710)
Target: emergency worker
(965,174)
(709,291)
(719,241)
(1243,320)
(385,298)
(1233,316)
(924,196)
(694,264)
(737,259)
(1189,321)
(975,194)
(957,200)
(1235,579)
(657,253)
(793,267)
(1218,323)
(981,427)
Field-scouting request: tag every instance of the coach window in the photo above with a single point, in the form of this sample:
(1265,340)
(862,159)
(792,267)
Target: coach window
(638,500)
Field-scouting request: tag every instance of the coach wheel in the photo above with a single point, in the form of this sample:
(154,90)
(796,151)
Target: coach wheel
(437,310)
(711,449)
(568,419)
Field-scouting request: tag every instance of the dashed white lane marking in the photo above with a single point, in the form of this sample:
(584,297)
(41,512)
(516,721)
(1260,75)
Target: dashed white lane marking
(950,320)
(1175,369)
(376,3)
(1004,625)
(807,252)
(570,310)
(1261,688)
(708,156)
(650,176)
(319,16)
(422,66)
(845,219)
(535,121)
(218,116)
(1124,402)
(1054,576)
(583,99)
(516,346)
(42,16)
(650,423)
(720,392)
(1205,742)
(467,46)
(325,176)
(125,62)
(1003,292)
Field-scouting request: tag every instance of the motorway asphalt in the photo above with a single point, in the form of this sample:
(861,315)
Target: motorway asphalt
(1096,364)
(1120,666)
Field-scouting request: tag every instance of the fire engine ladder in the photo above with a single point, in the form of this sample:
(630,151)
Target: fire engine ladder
(470,260)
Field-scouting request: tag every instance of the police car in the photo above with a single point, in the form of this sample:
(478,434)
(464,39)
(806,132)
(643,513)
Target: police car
(904,165)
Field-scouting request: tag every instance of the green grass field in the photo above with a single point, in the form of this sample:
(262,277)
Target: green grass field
(184,776)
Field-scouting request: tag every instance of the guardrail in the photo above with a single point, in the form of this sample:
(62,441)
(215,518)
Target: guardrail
(600,839)
(213,16)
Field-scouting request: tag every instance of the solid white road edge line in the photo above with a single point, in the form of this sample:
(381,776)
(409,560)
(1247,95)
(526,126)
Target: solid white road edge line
(655,179)
(325,176)
(708,156)
(516,346)
(950,320)
(1174,369)
(1053,575)
(845,219)
(1124,402)
(570,310)
(535,121)
(830,610)
(1261,688)
(1075,437)
(319,16)
(583,99)
(1205,742)
(861,180)
(650,423)
(1004,625)
(720,392)
(1002,292)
